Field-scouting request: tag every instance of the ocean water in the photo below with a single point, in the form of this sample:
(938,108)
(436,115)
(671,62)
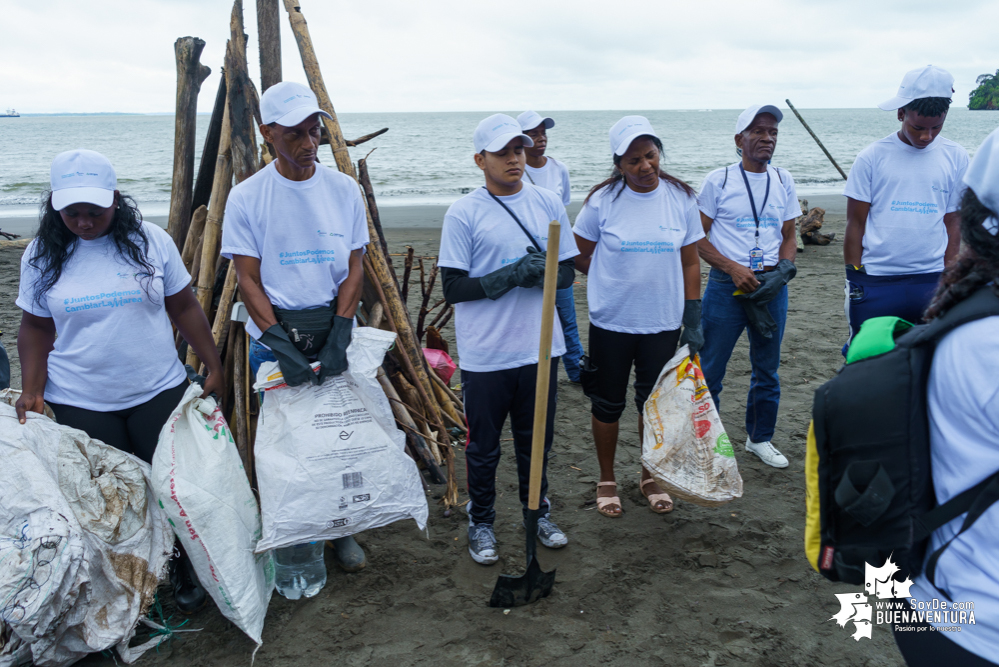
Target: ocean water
(427,157)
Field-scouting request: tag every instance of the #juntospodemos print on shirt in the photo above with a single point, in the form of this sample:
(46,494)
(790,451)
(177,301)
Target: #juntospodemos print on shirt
(301,231)
(114,345)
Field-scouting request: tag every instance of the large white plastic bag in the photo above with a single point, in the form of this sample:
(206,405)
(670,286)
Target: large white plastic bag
(330,461)
(685,445)
(200,482)
(82,544)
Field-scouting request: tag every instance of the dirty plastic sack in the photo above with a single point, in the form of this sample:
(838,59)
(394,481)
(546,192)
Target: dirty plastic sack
(330,461)
(82,545)
(200,482)
(685,445)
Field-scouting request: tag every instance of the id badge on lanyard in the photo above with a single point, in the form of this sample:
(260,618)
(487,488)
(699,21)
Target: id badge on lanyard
(756,254)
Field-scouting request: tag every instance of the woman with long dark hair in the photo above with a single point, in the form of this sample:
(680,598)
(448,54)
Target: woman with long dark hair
(99,288)
(963,401)
(636,236)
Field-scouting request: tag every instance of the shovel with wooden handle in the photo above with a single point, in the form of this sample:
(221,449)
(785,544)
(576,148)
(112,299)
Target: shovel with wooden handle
(535,584)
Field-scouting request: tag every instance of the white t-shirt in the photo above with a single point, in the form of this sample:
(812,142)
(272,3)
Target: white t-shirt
(909,190)
(114,346)
(733,232)
(480,237)
(964,444)
(636,276)
(301,231)
(553,176)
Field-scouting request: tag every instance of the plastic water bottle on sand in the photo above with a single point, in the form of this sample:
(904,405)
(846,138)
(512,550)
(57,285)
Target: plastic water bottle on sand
(300,570)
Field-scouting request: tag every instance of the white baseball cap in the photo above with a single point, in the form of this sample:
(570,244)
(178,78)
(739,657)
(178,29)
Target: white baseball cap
(627,130)
(82,176)
(747,117)
(926,81)
(497,131)
(531,119)
(982,176)
(288,104)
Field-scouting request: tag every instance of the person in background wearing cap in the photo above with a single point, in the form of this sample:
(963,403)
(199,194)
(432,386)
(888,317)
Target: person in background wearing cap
(748,209)
(637,235)
(548,173)
(296,232)
(492,261)
(903,194)
(99,289)
(963,409)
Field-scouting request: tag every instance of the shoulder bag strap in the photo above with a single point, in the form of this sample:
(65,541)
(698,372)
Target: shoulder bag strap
(513,215)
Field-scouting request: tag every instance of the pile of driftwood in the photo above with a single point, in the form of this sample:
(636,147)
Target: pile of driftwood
(809,225)
(425,408)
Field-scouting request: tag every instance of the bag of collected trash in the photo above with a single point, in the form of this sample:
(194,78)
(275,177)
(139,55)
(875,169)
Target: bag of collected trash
(82,545)
(330,461)
(685,445)
(200,482)
(441,363)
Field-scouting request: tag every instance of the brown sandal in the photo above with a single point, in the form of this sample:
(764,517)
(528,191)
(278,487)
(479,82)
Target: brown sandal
(656,498)
(604,501)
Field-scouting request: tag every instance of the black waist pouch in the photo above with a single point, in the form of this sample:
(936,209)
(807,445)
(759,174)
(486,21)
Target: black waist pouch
(308,328)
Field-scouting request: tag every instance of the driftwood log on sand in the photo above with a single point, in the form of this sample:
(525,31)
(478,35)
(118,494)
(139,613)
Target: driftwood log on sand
(810,226)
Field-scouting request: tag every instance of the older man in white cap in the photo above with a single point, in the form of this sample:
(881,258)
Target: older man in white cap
(492,267)
(748,209)
(296,232)
(902,199)
(548,173)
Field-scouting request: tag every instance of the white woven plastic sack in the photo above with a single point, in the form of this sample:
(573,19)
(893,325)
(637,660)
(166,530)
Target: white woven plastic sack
(200,482)
(82,545)
(330,461)
(685,445)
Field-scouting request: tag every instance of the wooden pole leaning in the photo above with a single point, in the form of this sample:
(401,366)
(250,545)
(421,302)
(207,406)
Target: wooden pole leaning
(809,130)
(190,75)
(269,42)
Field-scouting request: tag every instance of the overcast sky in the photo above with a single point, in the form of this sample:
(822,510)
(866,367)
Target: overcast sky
(436,55)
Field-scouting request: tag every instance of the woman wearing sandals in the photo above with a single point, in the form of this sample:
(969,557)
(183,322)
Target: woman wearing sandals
(636,236)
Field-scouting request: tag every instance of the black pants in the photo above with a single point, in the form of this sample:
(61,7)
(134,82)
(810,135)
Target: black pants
(134,430)
(928,648)
(612,353)
(489,397)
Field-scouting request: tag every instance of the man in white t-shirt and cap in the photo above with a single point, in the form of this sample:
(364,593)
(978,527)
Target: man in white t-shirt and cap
(903,195)
(748,209)
(548,173)
(492,267)
(296,231)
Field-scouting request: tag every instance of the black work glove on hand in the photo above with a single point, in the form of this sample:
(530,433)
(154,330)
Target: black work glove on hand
(294,366)
(771,282)
(692,336)
(758,315)
(333,356)
(528,271)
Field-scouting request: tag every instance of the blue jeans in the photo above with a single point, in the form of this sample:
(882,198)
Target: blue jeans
(565,304)
(723,321)
(259,353)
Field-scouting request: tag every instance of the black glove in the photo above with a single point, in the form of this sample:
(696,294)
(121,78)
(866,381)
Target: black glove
(528,271)
(758,315)
(771,282)
(333,356)
(692,335)
(294,366)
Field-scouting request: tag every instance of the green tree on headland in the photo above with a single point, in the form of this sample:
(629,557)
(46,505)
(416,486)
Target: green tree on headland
(986,96)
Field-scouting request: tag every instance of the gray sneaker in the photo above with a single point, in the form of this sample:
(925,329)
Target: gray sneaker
(550,534)
(482,543)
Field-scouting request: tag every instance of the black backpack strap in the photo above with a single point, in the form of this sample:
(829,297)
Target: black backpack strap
(976,499)
(513,215)
(726,179)
(779,177)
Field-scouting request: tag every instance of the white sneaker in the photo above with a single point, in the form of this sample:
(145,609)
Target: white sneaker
(767,453)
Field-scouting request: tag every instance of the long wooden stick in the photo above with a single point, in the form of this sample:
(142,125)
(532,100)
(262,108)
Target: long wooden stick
(413,435)
(194,233)
(239,382)
(269,42)
(544,367)
(213,223)
(828,154)
(447,390)
(407,270)
(240,99)
(367,137)
(369,195)
(210,150)
(190,75)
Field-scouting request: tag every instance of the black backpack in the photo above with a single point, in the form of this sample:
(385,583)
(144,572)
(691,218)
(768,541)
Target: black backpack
(870,490)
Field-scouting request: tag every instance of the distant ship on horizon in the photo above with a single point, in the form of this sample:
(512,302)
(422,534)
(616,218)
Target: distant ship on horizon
(11,113)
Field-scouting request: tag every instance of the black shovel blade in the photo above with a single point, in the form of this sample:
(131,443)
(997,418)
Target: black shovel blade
(516,591)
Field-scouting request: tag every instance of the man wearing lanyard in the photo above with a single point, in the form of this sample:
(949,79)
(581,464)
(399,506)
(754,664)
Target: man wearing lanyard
(748,209)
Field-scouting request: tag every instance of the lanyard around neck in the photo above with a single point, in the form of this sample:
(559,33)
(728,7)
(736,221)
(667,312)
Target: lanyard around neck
(752,202)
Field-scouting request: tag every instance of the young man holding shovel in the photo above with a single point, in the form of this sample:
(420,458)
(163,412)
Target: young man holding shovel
(492,266)
(296,232)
